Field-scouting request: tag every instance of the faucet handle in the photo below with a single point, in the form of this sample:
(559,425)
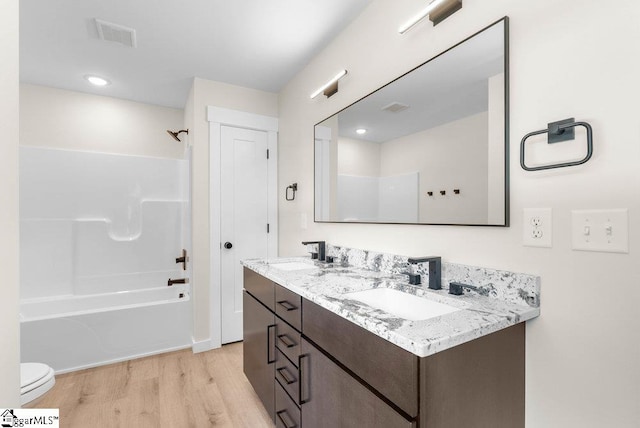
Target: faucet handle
(414,278)
(456,288)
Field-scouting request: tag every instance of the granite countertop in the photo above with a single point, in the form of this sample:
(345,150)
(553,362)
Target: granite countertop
(328,284)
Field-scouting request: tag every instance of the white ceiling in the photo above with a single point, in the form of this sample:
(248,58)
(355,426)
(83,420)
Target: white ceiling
(258,44)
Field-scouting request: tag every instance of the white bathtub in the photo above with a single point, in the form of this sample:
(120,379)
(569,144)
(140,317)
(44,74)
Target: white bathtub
(76,332)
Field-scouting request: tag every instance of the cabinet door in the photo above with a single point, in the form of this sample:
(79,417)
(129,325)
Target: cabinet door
(332,398)
(259,350)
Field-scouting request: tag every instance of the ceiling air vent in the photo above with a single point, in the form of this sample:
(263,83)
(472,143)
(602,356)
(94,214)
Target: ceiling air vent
(116,33)
(395,107)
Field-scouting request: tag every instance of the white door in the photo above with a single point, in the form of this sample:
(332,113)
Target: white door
(244,216)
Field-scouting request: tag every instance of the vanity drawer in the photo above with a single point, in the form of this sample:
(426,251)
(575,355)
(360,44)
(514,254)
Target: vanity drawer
(260,287)
(386,367)
(289,306)
(287,340)
(287,413)
(287,376)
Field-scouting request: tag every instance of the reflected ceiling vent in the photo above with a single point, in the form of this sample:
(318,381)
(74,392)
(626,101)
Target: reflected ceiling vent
(116,33)
(395,107)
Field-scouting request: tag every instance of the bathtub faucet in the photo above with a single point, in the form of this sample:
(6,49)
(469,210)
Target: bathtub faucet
(177,281)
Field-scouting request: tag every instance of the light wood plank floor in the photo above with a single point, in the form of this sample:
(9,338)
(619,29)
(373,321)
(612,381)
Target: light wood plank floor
(176,389)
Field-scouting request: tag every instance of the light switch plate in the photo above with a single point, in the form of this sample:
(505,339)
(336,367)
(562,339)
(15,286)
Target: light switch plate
(536,227)
(600,230)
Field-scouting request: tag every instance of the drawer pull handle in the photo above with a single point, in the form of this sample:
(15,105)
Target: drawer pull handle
(287,305)
(289,379)
(287,424)
(288,342)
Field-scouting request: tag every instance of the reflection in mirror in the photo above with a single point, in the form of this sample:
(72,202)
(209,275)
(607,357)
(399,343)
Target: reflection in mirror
(397,155)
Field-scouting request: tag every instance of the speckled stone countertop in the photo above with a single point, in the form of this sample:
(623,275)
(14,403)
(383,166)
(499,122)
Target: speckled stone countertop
(481,311)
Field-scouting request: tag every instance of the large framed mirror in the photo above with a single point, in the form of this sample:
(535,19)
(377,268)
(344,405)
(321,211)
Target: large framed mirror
(430,147)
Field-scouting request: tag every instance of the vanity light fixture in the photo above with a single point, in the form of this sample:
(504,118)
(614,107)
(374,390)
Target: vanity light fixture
(361,131)
(97,80)
(437,10)
(331,87)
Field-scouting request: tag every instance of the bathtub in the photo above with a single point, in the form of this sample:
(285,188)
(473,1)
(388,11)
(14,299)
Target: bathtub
(75,332)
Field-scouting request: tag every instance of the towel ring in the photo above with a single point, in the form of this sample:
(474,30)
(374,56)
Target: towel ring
(562,130)
(294,189)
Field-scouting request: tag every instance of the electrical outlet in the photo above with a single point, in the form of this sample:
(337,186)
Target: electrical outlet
(536,227)
(600,230)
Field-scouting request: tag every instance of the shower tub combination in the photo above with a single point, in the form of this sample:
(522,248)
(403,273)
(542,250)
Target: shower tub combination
(99,238)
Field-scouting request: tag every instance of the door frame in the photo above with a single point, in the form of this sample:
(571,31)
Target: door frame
(218,117)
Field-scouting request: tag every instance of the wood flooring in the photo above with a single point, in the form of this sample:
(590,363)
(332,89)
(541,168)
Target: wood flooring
(176,389)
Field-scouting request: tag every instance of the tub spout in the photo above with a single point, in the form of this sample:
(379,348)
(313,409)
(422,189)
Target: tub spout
(170,282)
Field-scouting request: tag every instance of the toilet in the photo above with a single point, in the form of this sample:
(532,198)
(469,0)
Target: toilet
(35,380)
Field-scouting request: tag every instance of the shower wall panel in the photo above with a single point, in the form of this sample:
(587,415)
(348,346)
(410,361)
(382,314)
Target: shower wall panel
(98,223)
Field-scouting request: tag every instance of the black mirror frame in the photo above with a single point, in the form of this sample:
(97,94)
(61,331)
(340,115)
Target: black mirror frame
(506,223)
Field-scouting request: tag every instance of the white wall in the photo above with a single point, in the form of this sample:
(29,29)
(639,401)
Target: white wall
(208,93)
(9,324)
(63,119)
(570,58)
(495,151)
(357,157)
(449,156)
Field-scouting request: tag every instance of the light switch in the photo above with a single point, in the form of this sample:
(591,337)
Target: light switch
(600,230)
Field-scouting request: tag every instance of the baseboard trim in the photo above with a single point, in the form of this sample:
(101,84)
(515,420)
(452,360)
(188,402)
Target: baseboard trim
(202,346)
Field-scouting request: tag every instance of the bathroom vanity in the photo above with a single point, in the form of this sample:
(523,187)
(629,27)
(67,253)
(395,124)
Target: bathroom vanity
(318,355)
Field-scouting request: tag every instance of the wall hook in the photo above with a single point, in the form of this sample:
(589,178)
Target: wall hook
(294,189)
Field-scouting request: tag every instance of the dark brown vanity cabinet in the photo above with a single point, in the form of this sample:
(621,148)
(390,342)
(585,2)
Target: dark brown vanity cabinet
(259,354)
(332,397)
(330,372)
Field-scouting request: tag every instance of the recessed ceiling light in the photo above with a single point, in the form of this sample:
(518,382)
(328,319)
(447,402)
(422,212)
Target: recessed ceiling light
(96,80)
(361,131)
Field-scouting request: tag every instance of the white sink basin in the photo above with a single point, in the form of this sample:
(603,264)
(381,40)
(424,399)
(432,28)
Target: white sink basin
(400,304)
(289,266)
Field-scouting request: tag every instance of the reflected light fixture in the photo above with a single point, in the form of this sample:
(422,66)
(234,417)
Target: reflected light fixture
(97,80)
(437,10)
(331,87)
(361,131)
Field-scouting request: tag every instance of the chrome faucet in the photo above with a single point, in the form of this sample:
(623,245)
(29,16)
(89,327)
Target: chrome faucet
(170,282)
(321,249)
(435,268)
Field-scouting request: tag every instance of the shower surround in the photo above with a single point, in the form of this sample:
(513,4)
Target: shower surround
(99,235)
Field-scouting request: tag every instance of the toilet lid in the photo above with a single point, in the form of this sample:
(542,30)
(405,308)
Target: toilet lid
(31,373)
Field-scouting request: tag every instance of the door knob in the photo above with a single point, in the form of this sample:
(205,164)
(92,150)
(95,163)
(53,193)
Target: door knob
(228,245)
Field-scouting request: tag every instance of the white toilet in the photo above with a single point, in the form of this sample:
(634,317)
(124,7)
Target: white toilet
(35,380)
